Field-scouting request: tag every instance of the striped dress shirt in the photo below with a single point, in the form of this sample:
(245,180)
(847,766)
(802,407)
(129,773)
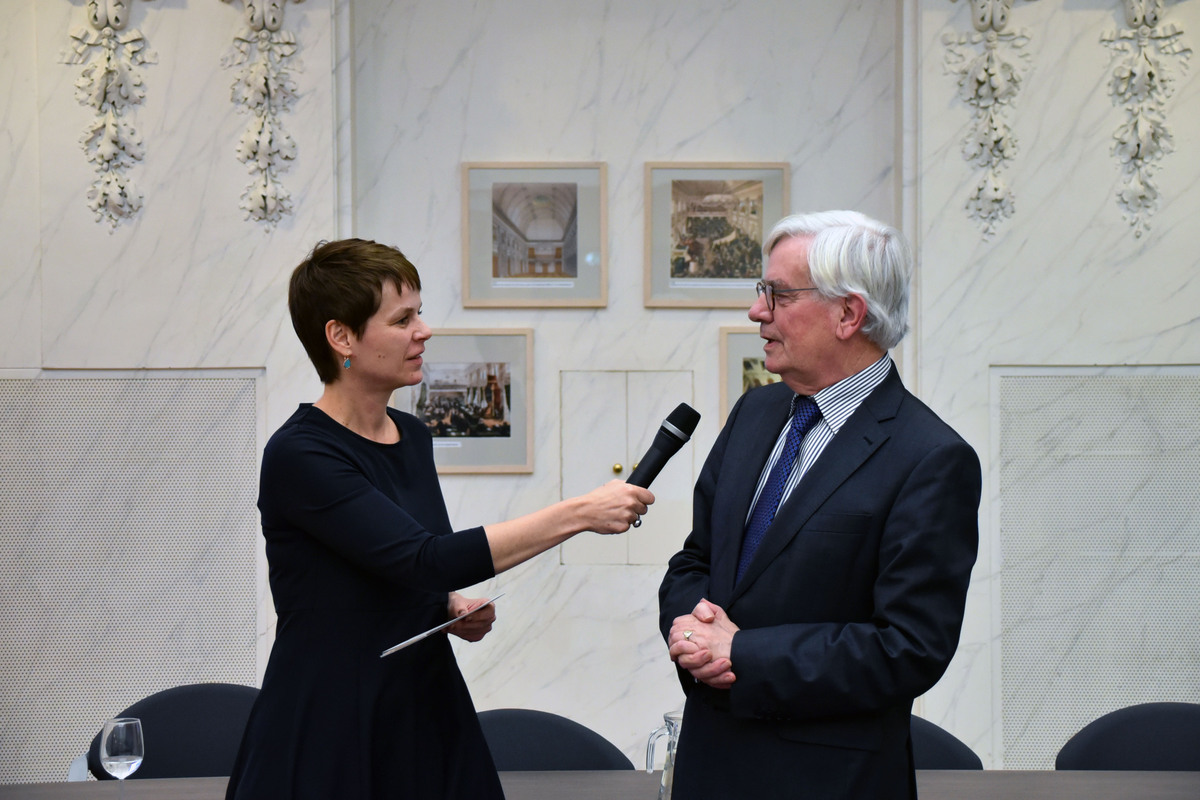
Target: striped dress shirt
(837,403)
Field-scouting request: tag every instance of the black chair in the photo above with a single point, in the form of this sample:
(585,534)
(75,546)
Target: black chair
(934,747)
(191,731)
(523,740)
(1148,737)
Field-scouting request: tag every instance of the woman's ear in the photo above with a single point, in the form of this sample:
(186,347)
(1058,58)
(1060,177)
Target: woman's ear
(338,336)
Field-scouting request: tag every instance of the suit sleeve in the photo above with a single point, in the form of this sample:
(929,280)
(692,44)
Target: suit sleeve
(686,582)
(926,551)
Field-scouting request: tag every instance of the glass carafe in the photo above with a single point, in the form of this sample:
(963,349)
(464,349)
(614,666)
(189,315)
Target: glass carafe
(670,729)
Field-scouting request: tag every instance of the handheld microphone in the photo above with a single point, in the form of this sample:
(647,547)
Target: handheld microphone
(676,429)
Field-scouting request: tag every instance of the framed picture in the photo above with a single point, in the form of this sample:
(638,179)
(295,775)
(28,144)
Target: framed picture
(704,230)
(535,235)
(742,366)
(476,398)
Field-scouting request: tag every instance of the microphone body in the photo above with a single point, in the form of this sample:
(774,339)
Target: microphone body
(676,429)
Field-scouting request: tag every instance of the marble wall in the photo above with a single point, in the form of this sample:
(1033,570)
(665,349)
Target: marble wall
(394,96)
(1063,282)
(20,285)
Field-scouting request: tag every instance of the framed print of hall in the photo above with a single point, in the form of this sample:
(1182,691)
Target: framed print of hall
(534,235)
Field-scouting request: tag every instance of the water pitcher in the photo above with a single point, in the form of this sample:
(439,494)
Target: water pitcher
(670,729)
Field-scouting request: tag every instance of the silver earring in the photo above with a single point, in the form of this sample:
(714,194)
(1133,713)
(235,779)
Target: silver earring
(346,363)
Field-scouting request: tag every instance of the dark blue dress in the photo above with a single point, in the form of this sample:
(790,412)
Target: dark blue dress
(361,557)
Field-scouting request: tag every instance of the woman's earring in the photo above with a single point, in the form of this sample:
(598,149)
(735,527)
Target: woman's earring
(346,363)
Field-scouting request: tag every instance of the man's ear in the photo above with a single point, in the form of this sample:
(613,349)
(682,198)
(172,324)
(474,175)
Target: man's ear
(338,336)
(854,316)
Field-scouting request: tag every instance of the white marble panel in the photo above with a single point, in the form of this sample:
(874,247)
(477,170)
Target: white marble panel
(189,281)
(20,305)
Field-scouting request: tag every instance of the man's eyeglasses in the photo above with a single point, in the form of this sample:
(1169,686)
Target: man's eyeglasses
(764,288)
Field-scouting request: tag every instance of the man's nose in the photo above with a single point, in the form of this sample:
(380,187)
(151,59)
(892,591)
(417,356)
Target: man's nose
(758,309)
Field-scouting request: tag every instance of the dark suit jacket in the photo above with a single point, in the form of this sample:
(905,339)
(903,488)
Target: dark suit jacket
(850,609)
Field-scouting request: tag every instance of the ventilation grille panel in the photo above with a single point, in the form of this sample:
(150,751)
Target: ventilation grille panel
(128,535)
(1100,536)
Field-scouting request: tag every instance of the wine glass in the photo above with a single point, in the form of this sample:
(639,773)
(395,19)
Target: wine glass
(121,748)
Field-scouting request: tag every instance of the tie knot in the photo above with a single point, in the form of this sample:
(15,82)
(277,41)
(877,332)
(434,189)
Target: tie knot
(804,414)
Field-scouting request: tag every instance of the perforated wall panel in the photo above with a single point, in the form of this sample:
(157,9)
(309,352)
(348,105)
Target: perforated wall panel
(128,535)
(1100,535)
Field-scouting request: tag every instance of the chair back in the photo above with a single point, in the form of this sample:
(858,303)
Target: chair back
(934,747)
(522,739)
(191,731)
(1147,737)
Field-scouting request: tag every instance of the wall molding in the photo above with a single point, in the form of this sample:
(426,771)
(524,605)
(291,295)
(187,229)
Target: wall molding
(1148,57)
(111,85)
(264,89)
(989,65)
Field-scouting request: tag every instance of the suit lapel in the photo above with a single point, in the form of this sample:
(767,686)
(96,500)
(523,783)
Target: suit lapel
(747,452)
(862,434)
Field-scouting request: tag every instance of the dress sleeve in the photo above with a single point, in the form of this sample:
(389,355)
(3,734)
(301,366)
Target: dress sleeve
(317,488)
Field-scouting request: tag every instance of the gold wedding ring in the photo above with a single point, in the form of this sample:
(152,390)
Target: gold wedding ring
(687,635)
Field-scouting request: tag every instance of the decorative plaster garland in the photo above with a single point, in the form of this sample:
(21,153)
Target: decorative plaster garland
(1142,83)
(264,89)
(112,86)
(988,83)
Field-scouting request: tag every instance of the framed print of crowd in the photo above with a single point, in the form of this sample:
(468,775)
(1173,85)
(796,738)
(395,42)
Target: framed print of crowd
(476,399)
(704,230)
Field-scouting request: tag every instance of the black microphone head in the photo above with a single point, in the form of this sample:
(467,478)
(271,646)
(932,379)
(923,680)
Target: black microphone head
(684,418)
(676,429)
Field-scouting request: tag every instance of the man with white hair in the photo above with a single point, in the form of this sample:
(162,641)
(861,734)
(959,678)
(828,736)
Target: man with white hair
(822,587)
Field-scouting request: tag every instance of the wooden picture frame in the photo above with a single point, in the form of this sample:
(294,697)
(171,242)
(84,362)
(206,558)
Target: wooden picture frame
(741,365)
(704,230)
(535,234)
(476,398)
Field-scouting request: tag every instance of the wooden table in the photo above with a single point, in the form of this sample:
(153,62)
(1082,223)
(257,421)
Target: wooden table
(638,785)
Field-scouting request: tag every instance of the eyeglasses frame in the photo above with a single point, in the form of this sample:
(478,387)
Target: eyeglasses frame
(763,288)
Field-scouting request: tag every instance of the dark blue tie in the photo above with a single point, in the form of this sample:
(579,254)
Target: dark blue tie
(804,415)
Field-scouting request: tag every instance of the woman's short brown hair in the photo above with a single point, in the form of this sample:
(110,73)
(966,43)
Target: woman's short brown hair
(342,281)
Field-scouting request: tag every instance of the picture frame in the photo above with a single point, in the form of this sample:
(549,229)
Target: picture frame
(476,398)
(742,365)
(535,234)
(704,230)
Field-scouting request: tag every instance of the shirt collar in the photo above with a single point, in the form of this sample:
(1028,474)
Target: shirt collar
(839,401)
